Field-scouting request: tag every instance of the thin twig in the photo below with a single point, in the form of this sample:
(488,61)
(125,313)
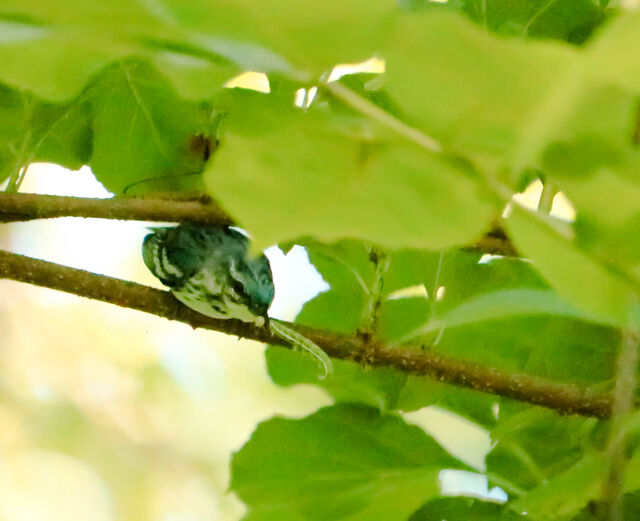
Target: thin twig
(549,191)
(623,396)
(26,207)
(566,399)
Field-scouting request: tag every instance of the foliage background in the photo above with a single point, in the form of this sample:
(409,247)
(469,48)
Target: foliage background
(383,178)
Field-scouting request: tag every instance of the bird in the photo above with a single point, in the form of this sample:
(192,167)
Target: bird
(209,269)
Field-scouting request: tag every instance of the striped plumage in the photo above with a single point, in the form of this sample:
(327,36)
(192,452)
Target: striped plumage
(208,269)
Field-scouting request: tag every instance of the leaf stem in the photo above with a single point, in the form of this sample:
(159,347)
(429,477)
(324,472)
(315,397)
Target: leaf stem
(381,116)
(549,191)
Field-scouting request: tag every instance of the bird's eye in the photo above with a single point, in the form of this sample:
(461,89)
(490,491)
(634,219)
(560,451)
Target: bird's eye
(238,287)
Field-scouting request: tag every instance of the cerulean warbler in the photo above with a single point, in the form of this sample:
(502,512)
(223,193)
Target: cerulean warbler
(210,271)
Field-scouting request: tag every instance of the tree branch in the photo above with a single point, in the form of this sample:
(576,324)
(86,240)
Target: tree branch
(199,210)
(27,207)
(566,399)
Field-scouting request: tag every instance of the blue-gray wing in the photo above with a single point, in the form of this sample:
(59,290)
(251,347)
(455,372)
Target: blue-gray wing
(174,255)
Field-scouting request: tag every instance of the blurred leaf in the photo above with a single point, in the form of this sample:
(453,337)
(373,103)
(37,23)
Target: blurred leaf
(455,94)
(32,130)
(369,86)
(583,281)
(198,45)
(292,29)
(339,182)
(503,124)
(343,462)
(631,506)
(273,513)
(47,475)
(594,162)
(64,134)
(612,54)
(41,59)
(632,477)
(54,49)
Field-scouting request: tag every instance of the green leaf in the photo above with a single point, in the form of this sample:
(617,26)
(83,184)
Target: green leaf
(32,130)
(293,29)
(53,50)
(143,131)
(631,430)
(464,509)
(348,383)
(594,162)
(611,55)
(194,74)
(339,182)
(63,134)
(456,97)
(572,20)
(585,283)
(273,513)
(483,311)
(56,65)
(419,392)
(503,124)
(198,46)
(343,462)
(566,494)
(597,136)
(533,446)
(512,302)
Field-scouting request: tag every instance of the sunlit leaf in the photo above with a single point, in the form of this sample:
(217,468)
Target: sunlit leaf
(143,132)
(585,282)
(343,462)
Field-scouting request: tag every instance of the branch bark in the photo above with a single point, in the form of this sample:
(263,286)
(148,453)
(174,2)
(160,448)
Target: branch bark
(565,399)
(27,207)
